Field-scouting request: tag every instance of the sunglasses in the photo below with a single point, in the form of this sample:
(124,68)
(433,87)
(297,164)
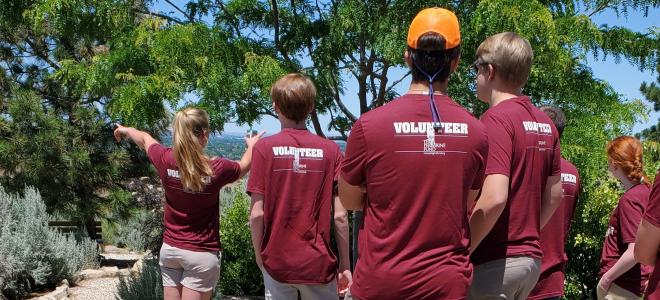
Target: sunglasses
(478,63)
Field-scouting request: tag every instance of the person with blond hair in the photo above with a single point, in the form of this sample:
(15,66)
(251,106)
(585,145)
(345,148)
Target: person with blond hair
(294,205)
(190,255)
(621,277)
(522,187)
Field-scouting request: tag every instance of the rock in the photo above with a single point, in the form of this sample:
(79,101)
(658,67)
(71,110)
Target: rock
(124,272)
(90,274)
(110,271)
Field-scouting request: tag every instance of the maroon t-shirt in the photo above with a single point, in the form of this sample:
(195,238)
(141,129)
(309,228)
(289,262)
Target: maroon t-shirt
(621,231)
(652,215)
(296,171)
(192,219)
(413,243)
(553,237)
(523,145)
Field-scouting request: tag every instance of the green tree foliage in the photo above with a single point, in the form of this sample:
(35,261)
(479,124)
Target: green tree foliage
(54,132)
(651,92)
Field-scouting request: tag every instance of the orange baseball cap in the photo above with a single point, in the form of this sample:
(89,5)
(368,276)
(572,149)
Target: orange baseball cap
(438,20)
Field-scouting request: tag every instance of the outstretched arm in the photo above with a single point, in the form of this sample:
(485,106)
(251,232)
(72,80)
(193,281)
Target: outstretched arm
(140,138)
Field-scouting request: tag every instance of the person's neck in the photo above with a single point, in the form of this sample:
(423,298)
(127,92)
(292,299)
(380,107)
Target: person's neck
(285,123)
(500,95)
(423,87)
(627,184)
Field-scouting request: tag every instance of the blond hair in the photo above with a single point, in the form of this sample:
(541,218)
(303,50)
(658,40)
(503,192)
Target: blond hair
(294,94)
(190,125)
(510,54)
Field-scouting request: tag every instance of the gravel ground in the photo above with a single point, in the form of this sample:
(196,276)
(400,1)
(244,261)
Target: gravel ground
(94,289)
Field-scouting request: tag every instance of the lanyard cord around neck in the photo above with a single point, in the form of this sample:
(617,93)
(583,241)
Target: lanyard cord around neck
(434,109)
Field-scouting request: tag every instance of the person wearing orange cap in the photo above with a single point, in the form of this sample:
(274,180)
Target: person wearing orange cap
(420,159)
(522,188)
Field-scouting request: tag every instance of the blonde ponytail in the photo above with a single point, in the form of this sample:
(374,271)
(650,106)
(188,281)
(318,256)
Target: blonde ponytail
(189,125)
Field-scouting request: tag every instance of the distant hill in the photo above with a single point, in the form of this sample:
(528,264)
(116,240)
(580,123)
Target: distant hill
(229,145)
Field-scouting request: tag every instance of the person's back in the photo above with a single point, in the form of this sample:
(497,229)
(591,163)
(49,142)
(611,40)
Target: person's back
(522,187)
(415,227)
(419,158)
(292,186)
(554,234)
(529,161)
(295,171)
(191,219)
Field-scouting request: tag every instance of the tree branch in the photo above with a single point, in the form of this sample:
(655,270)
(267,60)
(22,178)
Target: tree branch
(602,6)
(189,17)
(317,125)
(340,104)
(166,17)
(389,89)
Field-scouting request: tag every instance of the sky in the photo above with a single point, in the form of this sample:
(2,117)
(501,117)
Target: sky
(622,76)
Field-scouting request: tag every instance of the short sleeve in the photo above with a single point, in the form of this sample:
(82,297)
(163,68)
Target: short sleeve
(230,172)
(155,153)
(482,157)
(500,145)
(556,159)
(353,166)
(653,209)
(256,181)
(630,215)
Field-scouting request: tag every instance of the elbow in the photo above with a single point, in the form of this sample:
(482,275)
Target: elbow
(644,258)
(256,217)
(341,219)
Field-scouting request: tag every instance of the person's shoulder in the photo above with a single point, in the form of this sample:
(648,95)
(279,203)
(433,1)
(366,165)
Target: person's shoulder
(636,195)
(568,166)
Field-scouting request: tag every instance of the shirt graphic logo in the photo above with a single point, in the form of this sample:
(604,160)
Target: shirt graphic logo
(297,166)
(535,127)
(297,155)
(175,174)
(568,178)
(417,128)
(610,231)
(430,147)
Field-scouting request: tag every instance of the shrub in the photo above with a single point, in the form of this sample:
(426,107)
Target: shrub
(143,231)
(240,273)
(146,285)
(32,255)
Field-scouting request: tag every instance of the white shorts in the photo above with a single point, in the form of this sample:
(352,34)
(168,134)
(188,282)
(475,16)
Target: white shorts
(276,290)
(197,271)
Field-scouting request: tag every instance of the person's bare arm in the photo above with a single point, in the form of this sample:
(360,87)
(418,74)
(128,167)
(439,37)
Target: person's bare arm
(246,161)
(472,196)
(344,277)
(351,196)
(625,263)
(488,208)
(140,138)
(647,242)
(257,224)
(551,199)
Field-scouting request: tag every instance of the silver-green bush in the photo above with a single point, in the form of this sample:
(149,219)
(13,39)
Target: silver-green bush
(33,256)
